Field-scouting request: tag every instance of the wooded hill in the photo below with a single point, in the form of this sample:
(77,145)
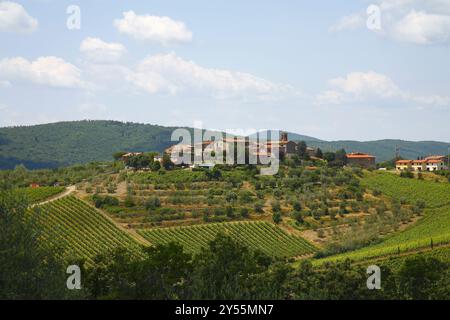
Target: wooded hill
(66,143)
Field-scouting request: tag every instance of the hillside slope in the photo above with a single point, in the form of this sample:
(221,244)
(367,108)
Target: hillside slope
(385,149)
(66,143)
(432,229)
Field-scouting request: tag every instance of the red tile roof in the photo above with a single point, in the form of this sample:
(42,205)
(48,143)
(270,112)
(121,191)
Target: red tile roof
(434,161)
(359,156)
(435,158)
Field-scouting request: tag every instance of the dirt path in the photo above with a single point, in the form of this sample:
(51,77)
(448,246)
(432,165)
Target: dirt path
(69,190)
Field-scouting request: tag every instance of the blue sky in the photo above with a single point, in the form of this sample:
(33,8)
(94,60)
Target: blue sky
(311,67)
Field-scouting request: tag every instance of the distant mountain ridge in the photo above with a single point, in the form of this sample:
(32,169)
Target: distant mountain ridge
(66,143)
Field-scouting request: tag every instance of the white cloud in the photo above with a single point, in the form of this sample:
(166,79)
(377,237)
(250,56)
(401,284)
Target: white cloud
(423,28)
(168,73)
(350,22)
(98,50)
(411,21)
(3,107)
(153,28)
(370,87)
(361,84)
(14,18)
(50,71)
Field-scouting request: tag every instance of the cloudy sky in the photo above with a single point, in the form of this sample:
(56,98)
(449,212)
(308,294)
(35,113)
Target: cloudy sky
(353,69)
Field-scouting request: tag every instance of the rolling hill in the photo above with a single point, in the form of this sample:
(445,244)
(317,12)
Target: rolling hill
(67,143)
(385,149)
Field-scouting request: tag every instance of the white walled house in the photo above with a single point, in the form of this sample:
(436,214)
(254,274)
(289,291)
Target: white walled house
(431,163)
(436,165)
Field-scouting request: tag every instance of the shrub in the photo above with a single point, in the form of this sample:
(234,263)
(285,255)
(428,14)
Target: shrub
(276,217)
(407,174)
(100,202)
(152,203)
(297,215)
(276,207)
(229,211)
(376,192)
(246,196)
(244,212)
(231,197)
(129,202)
(277,194)
(111,188)
(297,206)
(259,207)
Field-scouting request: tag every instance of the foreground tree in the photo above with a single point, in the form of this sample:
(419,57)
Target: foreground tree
(28,268)
(227,270)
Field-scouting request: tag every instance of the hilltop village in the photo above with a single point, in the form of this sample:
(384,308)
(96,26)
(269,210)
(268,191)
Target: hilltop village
(252,152)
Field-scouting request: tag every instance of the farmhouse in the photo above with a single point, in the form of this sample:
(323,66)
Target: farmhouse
(403,165)
(361,159)
(419,165)
(431,163)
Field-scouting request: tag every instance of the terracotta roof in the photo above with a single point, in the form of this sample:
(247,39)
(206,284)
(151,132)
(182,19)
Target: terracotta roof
(434,161)
(418,162)
(359,156)
(435,158)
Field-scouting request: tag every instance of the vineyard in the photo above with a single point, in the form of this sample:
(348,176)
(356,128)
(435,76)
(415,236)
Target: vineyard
(433,229)
(79,229)
(434,194)
(35,195)
(263,236)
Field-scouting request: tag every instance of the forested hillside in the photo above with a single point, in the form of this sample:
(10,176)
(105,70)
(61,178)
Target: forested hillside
(66,143)
(384,150)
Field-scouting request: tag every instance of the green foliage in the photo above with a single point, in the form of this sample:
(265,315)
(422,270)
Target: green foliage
(101,202)
(276,217)
(433,228)
(276,207)
(80,229)
(407,174)
(167,162)
(77,142)
(129,201)
(35,195)
(262,236)
(226,269)
(29,267)
(152,203)
(432,193)
(21,177)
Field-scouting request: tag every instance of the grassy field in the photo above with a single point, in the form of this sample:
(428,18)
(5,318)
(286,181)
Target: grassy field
(79,229)
(434,227)
(263,236)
